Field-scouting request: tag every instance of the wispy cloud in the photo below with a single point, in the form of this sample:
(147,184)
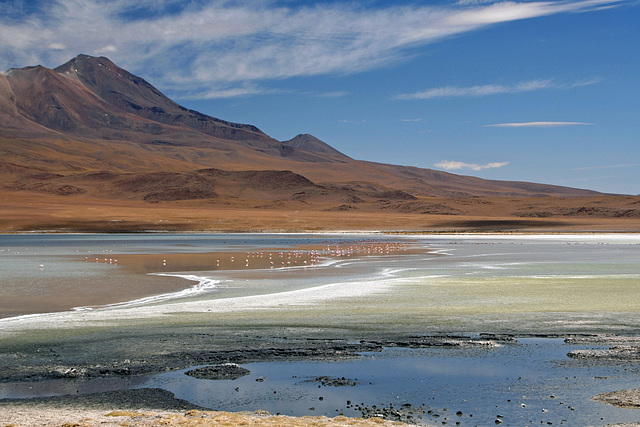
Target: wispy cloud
(227,92)
(451,165)
(196,45)
(492,89)
(538,124)
(411,120)
(336,94)
(628,165)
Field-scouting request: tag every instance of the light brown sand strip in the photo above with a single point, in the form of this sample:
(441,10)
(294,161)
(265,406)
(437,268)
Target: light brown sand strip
(38,416)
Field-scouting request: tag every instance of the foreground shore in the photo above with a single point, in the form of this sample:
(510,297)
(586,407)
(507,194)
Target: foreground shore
(154,407)
(150,407)
(157,407)
(35,417)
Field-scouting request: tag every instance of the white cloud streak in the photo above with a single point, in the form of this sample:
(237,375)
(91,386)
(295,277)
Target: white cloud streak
(336,94)
(629,165)
(232,44)
(538,124)
(225,92)
(451,165)
(492,89)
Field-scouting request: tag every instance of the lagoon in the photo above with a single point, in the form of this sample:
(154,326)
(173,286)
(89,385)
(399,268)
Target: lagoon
(166,285)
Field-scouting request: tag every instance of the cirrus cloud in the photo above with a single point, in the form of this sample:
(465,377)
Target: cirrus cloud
(538,124)
(452,165)
(492,89)
(192,46)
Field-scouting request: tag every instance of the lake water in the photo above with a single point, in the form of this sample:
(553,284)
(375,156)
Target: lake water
(54,272)
(425,284)
(532,382)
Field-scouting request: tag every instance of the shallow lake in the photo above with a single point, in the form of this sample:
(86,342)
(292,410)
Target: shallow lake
(442,283)
(530,382)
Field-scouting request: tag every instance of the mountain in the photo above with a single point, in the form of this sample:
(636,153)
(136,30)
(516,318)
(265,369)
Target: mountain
(311,143)
(134,95)
(90,129)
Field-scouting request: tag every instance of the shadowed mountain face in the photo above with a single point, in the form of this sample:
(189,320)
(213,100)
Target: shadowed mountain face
(134,95)
(89,127)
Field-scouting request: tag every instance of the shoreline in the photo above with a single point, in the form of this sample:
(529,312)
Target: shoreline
(151,407)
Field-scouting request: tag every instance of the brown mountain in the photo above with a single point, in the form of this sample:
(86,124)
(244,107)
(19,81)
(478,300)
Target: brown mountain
(89,130)
(134,95)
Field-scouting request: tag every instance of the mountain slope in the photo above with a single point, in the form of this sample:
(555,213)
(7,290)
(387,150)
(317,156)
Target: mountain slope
(61,127)
(136,96)
(311,143)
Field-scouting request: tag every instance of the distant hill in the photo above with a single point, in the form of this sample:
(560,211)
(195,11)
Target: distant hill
(88,116)
(311,143)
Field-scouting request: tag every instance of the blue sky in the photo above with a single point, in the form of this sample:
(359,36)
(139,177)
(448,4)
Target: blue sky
(540,91)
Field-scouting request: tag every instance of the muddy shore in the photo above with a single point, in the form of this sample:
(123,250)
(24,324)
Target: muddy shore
(148,407)
(40,363)
(140,356)
(71,362)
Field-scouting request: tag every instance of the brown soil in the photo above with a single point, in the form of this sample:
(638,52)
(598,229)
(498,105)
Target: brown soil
(27,211)
(76,417)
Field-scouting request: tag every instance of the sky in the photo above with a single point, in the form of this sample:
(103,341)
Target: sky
(538,91)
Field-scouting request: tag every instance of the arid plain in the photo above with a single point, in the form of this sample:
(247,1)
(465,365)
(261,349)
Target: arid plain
(27,211)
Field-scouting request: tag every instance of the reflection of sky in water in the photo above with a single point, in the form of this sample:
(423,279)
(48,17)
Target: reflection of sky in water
(44,266)
(530,382)
(492,266)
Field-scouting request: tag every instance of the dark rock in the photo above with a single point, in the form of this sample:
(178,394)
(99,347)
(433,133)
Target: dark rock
(333,382)
(225,371)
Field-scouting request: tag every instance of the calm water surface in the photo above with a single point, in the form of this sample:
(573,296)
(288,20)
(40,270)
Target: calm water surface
(49,272)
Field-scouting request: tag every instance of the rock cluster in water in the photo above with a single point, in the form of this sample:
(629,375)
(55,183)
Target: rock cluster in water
(224,371)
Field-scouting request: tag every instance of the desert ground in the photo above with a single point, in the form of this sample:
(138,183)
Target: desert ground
(25,211)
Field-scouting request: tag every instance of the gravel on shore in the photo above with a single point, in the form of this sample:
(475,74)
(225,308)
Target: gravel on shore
(148,407)
(622,398)
(33,417)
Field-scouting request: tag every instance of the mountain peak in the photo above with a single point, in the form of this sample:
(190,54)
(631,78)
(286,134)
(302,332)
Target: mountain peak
(135,95)
(305,141)
(92,70)
(84,58)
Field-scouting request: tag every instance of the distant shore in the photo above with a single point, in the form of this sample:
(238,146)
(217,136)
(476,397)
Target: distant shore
(37,212)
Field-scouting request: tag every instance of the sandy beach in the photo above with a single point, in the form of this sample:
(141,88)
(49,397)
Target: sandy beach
(89,418)
(146,408)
